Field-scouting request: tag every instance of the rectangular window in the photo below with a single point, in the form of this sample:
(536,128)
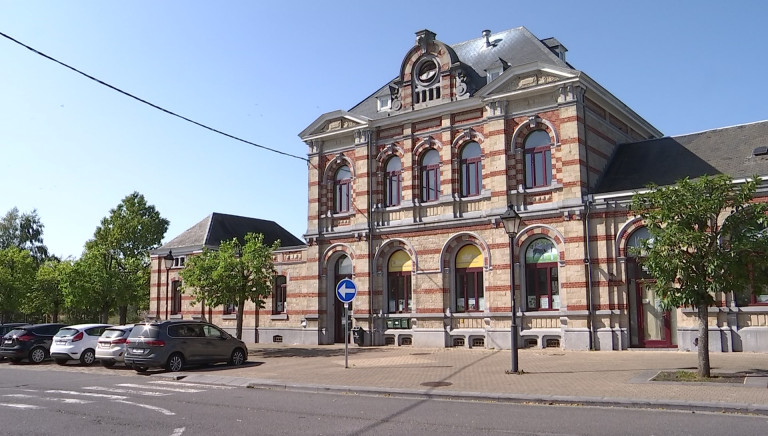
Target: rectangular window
(470,177)
(430,186)
(542,287)
(493,74)
(178,262)
(400,292)
(342,195)
(393,188)
(279,295)
(175,297)
(230,309)
(469,290)
(538,167)
(383,103)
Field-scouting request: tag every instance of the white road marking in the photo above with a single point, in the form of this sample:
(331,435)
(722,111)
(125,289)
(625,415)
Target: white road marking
(147,406)
(132,385)
(178,431)
(126,391)
(88,394)
(62,400)
(199,385)
(20,406)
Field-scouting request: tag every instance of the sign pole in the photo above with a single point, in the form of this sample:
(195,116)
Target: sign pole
(346,335)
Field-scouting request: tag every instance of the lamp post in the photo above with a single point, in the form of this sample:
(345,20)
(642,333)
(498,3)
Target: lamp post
(168,260)
(511,220)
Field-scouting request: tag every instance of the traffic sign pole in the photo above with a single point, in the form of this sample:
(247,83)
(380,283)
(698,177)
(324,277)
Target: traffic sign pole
(346,335)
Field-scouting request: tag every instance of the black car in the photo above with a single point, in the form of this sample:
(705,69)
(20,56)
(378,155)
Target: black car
(175,344)
(31,342)
(7,327)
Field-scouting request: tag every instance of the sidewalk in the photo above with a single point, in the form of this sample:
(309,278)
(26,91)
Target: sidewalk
(550,376)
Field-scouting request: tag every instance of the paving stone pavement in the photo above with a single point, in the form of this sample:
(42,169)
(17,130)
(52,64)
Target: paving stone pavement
(550,376)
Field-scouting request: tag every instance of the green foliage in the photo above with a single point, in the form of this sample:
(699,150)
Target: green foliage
(694,251)
(234,273)
(17,277)
(25,231)
(46,297)
(120,247)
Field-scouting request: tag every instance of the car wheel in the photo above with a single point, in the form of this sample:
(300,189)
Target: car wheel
(88,357)
(37,355)
(237,358)
(60,361)
(107,363)
(140,368)
(175,362)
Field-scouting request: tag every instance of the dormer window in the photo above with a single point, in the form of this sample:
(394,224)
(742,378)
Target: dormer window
(426,75)
(493,73)
(384,103)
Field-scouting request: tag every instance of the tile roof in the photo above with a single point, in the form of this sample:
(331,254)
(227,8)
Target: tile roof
(218,227)
(664,161)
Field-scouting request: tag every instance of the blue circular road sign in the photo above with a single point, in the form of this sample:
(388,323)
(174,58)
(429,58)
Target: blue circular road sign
(346,290)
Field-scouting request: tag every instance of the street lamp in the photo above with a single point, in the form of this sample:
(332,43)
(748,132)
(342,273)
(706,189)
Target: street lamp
(168,260)
(511,220)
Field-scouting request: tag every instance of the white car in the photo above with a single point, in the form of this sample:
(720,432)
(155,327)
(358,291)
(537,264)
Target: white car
(77,342)
(111,348)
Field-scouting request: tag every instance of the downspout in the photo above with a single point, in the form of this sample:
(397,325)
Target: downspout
(157,286)
(587,207)
(371,263)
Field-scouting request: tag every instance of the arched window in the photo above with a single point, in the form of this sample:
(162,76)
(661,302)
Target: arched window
(430,176)
(471,170)
(470,296)
(399,283)
(341,189)
(538,159)
(392,178)
(542,285)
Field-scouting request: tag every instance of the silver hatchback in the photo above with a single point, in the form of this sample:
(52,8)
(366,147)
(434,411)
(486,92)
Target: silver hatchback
(111,347)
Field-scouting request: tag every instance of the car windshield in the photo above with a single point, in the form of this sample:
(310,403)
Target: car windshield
(66,332)
(145,331)
(112,333)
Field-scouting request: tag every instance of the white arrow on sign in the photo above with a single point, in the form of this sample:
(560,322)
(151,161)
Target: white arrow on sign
(346,290)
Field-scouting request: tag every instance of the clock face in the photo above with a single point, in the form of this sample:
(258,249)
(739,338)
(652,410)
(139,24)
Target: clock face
(427,72)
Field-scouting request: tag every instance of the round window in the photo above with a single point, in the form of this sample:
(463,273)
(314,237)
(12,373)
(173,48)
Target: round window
(426,72)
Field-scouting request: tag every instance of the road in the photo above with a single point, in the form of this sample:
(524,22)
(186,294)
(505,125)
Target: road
(51,400)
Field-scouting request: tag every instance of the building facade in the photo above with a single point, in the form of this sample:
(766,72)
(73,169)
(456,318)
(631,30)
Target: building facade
(407,190)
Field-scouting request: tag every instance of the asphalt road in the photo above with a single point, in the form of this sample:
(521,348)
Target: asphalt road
(51,400)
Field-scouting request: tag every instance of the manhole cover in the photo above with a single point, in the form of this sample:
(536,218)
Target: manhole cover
(437,384)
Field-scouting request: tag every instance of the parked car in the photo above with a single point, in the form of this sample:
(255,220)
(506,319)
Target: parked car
(77,342)
(7,327)
(111,348)
(31,342)
(175,344)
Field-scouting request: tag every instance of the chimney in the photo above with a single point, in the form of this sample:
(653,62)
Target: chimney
(487,36)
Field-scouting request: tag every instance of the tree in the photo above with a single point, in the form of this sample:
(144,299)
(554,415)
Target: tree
(25,231)
(234,273)
(123,240)
(704,236)
(47,295)
(17,276)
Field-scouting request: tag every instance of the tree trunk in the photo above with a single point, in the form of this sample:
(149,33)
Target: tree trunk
(123,310)
(703,315)
(55,314)
(239,328)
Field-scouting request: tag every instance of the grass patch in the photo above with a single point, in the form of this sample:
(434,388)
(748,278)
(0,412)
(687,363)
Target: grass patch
(692,376)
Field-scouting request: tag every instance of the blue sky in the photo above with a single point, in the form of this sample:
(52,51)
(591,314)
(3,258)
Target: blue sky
(263,71)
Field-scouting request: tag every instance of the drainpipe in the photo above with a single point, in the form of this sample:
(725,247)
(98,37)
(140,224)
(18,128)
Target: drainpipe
(371,265)
(587,207)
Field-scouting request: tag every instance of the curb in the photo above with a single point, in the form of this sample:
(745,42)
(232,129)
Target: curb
(550,400)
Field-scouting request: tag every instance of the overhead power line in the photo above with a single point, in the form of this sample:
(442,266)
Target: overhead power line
(152,104)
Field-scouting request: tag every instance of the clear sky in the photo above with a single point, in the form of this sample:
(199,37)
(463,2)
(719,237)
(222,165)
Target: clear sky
(263,71)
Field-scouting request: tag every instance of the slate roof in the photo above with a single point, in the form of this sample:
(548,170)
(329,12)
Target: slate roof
(664,161)
(515,46)
(218,227)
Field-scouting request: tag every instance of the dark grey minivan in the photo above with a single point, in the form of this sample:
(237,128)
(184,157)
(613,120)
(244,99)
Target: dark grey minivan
(175,344)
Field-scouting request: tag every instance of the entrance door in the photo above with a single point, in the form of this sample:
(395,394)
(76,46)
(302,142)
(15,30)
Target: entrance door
(653,322)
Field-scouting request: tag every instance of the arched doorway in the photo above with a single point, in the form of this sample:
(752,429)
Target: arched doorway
(649,325)
(342,269)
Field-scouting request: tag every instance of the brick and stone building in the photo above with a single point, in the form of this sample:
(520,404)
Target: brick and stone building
(406,191)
